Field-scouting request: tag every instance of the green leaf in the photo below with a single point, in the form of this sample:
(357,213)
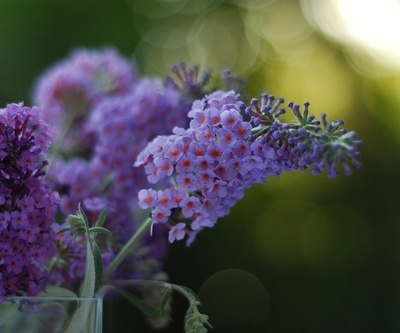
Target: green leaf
(98,266)
(165,298)
(82,213)
(191,293)
(93,278)
(55,291)
(88,284)
(87,288)
(101,219)
(100,230)
(139,303)
(81,314)
(81,318)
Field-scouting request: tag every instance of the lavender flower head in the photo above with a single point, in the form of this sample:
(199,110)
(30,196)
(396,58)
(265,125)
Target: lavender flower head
(305,141)
(227,148)
(27,204)
(106,179)
(103,177)
(70,89)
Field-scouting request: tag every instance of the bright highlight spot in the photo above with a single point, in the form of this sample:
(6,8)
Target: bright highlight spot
(371,26)
(374,23)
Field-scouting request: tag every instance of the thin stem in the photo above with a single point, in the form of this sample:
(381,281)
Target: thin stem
(127,248)
(67,124)
(190,298)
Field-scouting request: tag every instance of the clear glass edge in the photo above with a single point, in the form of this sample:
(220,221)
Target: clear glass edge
(60,298)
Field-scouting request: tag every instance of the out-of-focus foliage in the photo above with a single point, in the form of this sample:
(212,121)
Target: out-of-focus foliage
(326,251)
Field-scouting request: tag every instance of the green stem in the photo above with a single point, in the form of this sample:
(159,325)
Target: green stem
(190,298)
(127,248)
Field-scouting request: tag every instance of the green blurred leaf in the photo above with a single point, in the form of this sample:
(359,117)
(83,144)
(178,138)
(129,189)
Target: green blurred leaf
(190,293)
(100,230)
(98,266)
(56,291)
(165,298)
(81,314)
(82,213)
(101,219)
(88,284)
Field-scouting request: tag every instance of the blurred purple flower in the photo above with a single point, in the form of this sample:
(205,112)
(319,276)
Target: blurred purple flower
(110,127)
(70,89)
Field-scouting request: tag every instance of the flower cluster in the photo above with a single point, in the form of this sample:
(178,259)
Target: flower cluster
(227,148)
(27,204)
(104,128)
(89,99)
(305,142)
(67,91)
(115,134)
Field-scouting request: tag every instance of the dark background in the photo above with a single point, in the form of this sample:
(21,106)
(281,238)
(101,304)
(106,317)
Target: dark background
(301,253)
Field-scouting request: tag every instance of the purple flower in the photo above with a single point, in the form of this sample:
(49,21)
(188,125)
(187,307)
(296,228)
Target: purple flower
(309,142)
(68,91)
(147,198)
(160,214)
(228,151)
(95,204)
(177,232)
(115,125)
(5,218)
(200,181)
(26,237)
(190,205)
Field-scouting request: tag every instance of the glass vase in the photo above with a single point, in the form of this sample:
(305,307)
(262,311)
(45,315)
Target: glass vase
(51,315)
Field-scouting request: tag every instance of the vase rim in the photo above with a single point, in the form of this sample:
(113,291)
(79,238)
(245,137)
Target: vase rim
(43,298)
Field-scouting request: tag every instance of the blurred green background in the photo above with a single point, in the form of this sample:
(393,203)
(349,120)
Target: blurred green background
(301,253)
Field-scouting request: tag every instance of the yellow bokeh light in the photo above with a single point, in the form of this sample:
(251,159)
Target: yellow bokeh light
(373,23)
(370,28)
(218,38)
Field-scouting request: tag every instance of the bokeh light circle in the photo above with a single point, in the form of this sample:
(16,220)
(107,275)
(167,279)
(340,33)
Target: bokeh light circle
(235,300)
(278,230)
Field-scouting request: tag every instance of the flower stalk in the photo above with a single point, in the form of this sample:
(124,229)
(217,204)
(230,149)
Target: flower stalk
(127,248)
